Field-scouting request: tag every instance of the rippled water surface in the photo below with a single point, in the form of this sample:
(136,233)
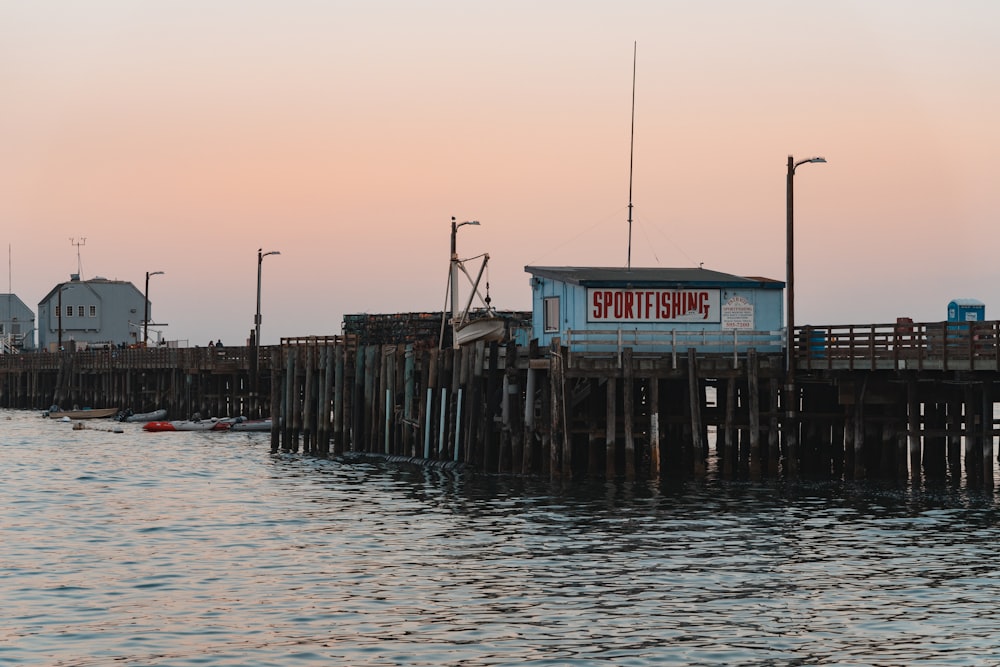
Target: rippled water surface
(182,549)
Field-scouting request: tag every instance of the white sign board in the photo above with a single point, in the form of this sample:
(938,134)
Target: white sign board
(737,313)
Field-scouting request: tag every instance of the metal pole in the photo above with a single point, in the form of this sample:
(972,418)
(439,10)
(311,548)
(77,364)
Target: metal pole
(145,318)
(145,315)
(256,317)
(791,393)
(256,324)
(790,271)
(453,288)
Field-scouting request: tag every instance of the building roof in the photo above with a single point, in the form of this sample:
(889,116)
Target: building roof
(90,283)
(595,276)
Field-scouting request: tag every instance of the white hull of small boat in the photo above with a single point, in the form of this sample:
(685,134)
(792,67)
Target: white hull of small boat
(489,329)
(189,425)
(155,415)
(86,413)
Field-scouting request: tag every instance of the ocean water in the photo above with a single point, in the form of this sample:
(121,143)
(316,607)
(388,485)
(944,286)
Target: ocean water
(188,549)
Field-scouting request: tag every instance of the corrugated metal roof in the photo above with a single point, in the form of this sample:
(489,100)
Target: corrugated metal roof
(596,276)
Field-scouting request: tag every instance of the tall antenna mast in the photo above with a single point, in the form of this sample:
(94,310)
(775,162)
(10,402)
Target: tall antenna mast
(79,262)
(631,152)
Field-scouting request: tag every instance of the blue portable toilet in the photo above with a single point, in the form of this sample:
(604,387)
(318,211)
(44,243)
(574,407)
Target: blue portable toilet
(966,310)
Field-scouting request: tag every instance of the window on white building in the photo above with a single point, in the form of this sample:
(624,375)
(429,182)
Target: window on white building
(93,311)
(79,311)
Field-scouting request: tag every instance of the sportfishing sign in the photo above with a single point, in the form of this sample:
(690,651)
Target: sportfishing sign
(652,305)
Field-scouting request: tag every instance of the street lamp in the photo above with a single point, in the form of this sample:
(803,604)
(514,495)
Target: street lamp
(256,320)
(256,336)
(790,257)
(145,319)
(791,397)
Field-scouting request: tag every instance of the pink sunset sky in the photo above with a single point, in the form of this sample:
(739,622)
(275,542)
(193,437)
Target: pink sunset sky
(182,135)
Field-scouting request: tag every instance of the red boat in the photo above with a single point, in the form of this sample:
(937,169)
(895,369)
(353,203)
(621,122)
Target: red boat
(213,424)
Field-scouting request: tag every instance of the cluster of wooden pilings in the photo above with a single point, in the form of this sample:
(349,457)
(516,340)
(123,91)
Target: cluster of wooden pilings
(510,409)
(523,410)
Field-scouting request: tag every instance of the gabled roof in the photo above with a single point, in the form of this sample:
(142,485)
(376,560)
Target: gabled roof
(90,284)
(595,276)
(15,302)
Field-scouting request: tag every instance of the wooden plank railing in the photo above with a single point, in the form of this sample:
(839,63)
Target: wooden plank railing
(930,345)
(94,359)
(735,342)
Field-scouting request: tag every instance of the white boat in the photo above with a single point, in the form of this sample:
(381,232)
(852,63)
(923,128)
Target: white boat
(489,329)
(155,415)
(467,328)
(213,424)
(86,413)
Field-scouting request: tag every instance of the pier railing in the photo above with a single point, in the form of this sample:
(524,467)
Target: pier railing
(899,346)
(95,359)
(735,342)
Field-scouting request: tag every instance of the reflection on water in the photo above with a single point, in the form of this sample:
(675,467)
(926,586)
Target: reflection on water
(205,549)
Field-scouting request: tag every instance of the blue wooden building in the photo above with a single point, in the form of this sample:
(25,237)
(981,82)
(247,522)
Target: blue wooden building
(655,309)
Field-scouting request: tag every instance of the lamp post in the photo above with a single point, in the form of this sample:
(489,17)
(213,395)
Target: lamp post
(790,392)
(256,335)
(256,320)
(145,318)
(790,256)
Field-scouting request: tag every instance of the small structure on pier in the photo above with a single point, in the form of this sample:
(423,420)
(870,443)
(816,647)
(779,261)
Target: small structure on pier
(595,307)
(966,310)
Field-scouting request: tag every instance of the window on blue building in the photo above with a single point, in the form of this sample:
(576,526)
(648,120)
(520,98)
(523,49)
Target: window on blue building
(551,313)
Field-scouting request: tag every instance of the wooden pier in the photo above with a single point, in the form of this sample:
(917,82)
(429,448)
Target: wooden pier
(871,401)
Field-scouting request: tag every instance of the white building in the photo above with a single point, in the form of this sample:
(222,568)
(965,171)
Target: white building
(94,313)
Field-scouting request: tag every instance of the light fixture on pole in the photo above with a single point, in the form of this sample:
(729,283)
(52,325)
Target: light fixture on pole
(790,258)
(256,320)
(256,336)
(791,395)
(145,319)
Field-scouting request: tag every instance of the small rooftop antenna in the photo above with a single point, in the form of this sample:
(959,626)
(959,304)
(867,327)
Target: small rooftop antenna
(631,152)
(79,262)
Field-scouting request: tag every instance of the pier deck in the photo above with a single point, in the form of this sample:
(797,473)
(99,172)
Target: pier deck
(863,401)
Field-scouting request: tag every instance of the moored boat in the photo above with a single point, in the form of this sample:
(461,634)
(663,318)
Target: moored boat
(86,413)
(155,415)
(488,329)
(213,424)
